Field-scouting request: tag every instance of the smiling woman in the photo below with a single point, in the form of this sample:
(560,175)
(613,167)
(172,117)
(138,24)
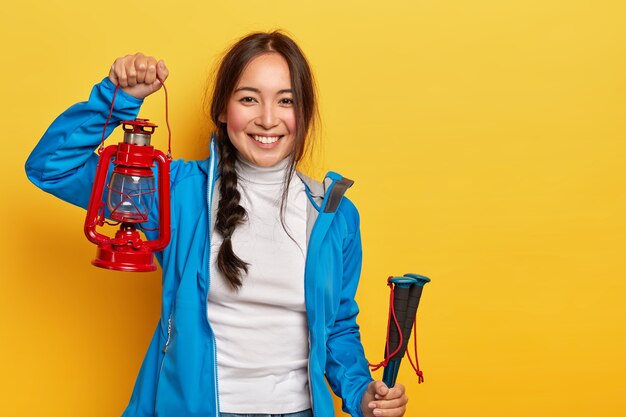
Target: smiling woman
(257,315)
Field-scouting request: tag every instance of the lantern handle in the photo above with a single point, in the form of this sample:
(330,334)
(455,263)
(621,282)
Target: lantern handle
(167,121)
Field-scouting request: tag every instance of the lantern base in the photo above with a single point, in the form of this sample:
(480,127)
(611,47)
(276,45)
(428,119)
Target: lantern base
(124,259)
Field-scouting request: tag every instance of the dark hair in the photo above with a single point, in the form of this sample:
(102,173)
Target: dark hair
(229,213)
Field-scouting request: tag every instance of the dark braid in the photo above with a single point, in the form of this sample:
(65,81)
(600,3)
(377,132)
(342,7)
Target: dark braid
(229,213)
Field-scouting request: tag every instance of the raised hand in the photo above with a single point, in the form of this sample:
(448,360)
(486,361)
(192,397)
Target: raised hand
(137,74)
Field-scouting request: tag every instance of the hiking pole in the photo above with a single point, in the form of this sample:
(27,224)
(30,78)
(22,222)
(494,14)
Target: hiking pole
(406,294)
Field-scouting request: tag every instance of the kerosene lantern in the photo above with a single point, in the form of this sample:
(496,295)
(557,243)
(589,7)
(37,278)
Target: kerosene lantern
(130,195)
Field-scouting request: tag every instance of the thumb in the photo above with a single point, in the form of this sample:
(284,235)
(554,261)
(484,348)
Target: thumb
(378,389)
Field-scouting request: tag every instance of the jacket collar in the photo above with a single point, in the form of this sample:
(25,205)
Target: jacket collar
(323,196)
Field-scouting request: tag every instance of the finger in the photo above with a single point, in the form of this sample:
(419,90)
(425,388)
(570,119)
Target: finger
(390,404)
(391,412)
(141,67)
(395,392)
(162,71)
(131,72)
(120,71)
(381,390)
(151,70)
(113,75)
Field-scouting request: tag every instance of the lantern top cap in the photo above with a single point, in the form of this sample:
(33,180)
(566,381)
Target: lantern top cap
(142,126)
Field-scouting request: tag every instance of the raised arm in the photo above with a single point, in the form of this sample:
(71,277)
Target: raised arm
(63,163)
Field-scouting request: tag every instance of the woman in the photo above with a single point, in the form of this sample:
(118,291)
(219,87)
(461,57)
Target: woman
(260,275)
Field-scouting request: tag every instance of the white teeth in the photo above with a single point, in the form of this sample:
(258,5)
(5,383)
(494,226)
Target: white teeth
(266,139)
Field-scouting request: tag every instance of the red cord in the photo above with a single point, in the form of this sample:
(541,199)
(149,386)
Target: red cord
(167,121)
(392,314)
(101,148)
(416,366)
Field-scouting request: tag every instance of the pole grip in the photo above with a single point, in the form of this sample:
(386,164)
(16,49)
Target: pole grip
(400,307)
(406,299)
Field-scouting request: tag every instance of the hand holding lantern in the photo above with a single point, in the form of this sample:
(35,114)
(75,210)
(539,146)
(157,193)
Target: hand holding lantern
(131,188)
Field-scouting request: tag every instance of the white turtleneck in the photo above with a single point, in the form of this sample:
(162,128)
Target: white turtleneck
(261,330)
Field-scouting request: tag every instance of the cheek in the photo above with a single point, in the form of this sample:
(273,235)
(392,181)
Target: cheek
(290,121)
(236,119)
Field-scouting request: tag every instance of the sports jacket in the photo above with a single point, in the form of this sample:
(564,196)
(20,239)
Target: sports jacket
(178,377)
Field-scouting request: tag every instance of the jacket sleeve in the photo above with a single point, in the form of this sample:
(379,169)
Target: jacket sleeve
(347,369)
(64,163)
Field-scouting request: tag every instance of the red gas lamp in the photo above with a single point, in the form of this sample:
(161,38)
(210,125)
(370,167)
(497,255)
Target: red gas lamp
(130,196)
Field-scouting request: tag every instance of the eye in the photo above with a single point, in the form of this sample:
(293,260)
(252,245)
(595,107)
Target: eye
(286,102)
(247,100)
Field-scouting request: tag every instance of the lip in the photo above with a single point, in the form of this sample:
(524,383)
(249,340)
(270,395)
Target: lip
(265,135)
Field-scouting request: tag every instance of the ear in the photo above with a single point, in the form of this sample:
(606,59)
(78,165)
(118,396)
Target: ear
(222,117)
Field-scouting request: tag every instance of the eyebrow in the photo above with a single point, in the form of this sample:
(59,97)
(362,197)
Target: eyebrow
(256,90)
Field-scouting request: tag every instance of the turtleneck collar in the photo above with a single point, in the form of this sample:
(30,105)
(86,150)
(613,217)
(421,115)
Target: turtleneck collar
(261,175)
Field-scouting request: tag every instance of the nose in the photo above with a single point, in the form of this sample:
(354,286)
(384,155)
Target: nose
(267,119)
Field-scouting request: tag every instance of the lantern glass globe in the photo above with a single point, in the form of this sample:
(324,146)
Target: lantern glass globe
(130,198)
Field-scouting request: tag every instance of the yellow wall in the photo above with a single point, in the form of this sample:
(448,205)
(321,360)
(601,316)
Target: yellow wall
(485,138)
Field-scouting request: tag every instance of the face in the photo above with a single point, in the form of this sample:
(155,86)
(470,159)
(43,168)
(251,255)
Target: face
(260,117)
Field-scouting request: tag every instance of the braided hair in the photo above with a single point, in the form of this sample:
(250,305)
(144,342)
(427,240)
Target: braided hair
(230,213)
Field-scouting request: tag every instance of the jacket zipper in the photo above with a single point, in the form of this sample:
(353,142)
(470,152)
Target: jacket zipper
(306,269)
(210,187)
(306,262)
(309,376)
(167,342)
(169,335)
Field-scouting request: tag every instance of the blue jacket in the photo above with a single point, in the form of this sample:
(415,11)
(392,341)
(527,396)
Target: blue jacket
(178,377)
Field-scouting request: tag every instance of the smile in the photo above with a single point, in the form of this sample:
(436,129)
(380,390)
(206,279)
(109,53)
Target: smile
(265,139)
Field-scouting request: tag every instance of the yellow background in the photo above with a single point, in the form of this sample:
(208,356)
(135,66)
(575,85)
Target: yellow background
(487,141)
